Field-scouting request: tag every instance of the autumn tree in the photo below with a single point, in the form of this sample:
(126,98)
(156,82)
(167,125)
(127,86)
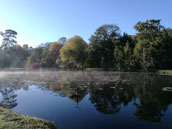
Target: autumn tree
(54,54)
(74,52)
(55,49)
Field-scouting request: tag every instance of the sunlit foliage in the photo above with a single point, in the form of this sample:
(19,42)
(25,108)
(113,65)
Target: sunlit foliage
(74,52)
(149,49)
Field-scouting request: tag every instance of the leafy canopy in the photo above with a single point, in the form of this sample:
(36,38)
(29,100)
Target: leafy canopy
(74,52)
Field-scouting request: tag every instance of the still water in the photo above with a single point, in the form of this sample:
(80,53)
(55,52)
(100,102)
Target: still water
(91,100)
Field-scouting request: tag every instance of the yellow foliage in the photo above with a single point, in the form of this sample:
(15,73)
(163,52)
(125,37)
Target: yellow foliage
(74,51)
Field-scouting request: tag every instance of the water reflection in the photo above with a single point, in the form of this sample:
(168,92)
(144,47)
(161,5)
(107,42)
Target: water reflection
(108,98)
(108,92)
(153,102)
(8,97)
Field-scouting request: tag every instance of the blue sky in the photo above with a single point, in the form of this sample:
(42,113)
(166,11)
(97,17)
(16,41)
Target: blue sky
(39,21)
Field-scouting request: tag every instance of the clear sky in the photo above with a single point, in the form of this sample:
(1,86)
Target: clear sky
(40,21)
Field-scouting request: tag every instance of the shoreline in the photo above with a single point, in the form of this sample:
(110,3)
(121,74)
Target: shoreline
(12,120)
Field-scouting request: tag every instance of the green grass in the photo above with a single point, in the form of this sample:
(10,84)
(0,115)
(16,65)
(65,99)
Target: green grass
(169,72)
(11,120)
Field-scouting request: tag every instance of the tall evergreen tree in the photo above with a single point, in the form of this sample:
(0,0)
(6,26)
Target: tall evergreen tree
(9,37)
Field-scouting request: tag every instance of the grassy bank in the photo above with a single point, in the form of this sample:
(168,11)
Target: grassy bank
(11,120)
(169,72)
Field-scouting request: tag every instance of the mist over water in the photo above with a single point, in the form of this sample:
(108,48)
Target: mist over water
(82,100)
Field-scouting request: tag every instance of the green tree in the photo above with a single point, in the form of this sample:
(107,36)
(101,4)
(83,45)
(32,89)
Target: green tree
(62,40)
(128,59)
(101,46)
(164,59)
(125,38)
(119,57)
(74,52)
(9,37)
(5,58)
(149,43)
(14,57)
(19,56)
(123,55)
(34,57)
(26,47)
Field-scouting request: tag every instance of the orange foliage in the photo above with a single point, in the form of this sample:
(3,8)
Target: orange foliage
(55,47)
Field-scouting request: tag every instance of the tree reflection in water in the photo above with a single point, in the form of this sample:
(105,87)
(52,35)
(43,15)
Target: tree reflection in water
(8,97)
(108,98)
(73,90)
(153,102)
(108,92)
(105,100)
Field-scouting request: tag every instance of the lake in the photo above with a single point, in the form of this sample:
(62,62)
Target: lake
(90,100)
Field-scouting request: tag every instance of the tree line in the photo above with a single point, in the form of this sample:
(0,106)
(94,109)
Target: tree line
(149,49)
